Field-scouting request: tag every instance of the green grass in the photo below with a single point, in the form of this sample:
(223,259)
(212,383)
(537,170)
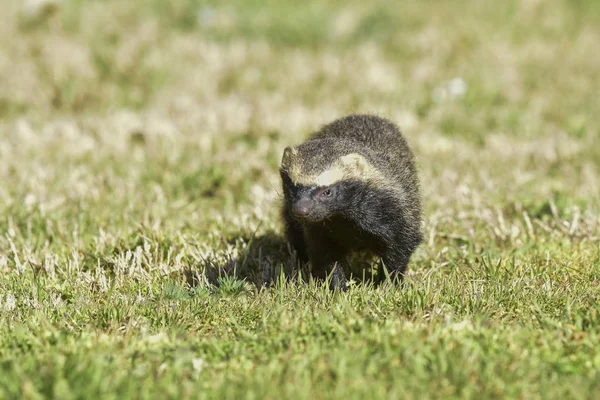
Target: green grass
(141,254)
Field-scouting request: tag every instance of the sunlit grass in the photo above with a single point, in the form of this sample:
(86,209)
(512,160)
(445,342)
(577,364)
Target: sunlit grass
(140,249)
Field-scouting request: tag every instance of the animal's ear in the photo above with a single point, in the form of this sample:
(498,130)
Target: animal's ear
(288,157)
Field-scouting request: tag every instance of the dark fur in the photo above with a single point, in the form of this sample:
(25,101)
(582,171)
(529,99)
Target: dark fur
(382,218)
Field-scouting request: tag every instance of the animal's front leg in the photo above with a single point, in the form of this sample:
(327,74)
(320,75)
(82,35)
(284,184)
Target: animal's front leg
(295,236)
(326,259)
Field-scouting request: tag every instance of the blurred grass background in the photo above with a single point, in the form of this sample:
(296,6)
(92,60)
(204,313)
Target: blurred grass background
(139,146)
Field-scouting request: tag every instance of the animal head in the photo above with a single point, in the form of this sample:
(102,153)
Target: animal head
(321,178)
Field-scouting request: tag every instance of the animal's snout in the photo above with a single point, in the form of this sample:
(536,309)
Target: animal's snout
(301,208)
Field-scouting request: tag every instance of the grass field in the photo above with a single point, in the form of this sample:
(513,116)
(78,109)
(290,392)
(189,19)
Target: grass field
(141,254)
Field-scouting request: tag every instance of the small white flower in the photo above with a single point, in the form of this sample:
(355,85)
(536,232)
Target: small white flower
(11,302)
(457,87)
(198,364)
(451,89)
(39,9)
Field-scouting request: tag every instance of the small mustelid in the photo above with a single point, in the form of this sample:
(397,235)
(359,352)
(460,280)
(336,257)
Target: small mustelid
(352,186)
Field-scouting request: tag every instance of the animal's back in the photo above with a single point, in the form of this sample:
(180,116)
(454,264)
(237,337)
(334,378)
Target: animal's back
(387,148)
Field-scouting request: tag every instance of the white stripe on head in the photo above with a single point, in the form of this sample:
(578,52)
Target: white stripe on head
(349,167)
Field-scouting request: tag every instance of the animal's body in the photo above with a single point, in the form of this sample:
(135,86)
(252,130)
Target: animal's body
(352,186)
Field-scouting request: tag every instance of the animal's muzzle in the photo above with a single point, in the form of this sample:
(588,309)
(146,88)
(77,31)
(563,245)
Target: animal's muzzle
(301,208)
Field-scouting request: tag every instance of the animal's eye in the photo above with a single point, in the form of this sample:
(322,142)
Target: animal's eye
(326,193)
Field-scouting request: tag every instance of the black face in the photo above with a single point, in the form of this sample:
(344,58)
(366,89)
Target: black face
(312,203)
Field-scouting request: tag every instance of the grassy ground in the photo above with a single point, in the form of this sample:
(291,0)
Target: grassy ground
(140,251)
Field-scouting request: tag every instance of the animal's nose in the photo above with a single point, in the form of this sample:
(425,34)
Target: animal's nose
(301,208)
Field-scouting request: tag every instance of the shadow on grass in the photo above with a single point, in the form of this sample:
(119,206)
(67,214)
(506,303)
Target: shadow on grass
(262,262)
(266,258)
